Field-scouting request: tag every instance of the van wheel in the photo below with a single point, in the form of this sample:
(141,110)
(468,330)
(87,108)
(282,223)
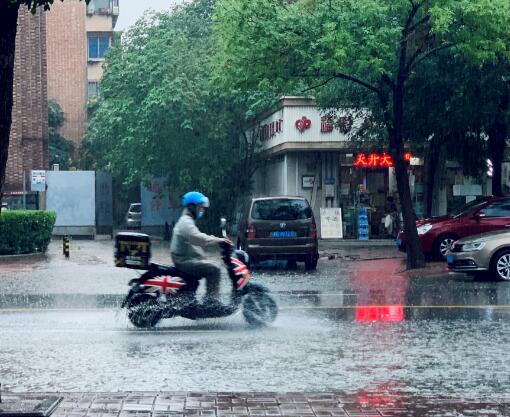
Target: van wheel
(311,262)
(442,246)
(500,265)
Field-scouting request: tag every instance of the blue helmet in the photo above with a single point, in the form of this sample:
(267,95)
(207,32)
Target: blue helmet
(194,197)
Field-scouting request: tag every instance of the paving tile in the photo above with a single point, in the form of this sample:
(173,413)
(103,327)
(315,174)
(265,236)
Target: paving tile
(268,404)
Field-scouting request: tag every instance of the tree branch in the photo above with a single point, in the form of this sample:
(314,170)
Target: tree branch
(318,85)
(388,81)
(412,14)
(413,63)
(342,76)
(423,20)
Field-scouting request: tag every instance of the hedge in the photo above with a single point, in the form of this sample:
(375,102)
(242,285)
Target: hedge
(24,231)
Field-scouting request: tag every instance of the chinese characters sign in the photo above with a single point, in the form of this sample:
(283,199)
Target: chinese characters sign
(269,130)
(326,126)
(375,160)
(331,223)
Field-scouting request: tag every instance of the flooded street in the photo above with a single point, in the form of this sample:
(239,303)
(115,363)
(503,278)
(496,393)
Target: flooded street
(346,327)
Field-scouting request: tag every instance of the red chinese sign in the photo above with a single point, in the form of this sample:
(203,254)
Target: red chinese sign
(303,124)
(269,130)
(374,160)
(326,126)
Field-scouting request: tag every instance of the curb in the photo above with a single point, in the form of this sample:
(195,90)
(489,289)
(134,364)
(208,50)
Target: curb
(22,256)
(354,243)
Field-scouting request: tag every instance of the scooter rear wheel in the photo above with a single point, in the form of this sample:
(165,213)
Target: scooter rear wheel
(259,309)
(142,311)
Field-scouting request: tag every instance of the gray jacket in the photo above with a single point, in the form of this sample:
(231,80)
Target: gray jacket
(188,241)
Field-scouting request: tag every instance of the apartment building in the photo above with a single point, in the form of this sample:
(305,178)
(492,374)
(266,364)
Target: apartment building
(79,36)
(28,146)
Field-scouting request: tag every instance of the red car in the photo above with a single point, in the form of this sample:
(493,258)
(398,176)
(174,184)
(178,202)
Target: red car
(483,215)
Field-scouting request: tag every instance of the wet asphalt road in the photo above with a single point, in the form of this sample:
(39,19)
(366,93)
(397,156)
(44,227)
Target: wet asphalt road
(352,325)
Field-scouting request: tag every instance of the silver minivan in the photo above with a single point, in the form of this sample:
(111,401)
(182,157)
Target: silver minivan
(134,216)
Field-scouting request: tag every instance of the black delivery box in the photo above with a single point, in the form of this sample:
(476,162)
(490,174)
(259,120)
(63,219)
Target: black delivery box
(132,250)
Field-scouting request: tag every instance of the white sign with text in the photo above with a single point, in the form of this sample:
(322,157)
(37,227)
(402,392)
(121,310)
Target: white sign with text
(331,223)
(38,180)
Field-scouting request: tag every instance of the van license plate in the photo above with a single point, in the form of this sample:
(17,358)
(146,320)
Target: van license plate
(283,234)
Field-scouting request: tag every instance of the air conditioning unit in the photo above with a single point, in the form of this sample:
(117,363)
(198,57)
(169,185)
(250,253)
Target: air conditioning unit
(91,9)
(115,10)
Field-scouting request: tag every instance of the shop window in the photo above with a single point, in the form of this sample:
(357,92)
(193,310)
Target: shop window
(98,44)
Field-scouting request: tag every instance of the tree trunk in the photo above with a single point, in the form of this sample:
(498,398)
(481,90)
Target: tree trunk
(8,27)
(415,258)
(498,134)
(434,159)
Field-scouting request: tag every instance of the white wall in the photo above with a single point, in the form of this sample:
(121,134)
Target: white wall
(269,180)
(289,115)
(158,205)
(72,195)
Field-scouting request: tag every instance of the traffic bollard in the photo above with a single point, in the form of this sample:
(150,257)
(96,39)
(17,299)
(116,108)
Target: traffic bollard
(65,246)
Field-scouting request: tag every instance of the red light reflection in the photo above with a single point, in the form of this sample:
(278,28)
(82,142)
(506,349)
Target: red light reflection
(384,313)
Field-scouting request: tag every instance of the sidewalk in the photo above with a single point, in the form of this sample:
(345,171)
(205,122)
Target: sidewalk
(254,404)
(359,250)
(397,267)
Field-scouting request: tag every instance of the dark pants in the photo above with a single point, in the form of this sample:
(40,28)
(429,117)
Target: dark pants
(203,269)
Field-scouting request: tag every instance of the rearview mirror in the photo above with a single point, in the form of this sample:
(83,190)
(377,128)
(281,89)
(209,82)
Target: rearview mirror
(479,215)
(223,225)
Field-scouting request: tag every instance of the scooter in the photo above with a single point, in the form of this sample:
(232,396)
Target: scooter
(164,292)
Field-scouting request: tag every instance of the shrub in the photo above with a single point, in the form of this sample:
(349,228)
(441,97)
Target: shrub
(25,231)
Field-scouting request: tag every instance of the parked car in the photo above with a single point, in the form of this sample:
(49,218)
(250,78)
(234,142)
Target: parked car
(279,228)
(482,253)
(483,215)
(134,216)
(4,207)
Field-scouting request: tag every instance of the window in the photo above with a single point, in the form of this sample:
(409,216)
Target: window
(101,4)
(469,208)
(281,209)
(98,45)
(93,89)
(135,208)
(498,209)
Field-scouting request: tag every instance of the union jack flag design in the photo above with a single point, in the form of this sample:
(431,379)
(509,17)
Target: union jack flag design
(165,284)
(241,271)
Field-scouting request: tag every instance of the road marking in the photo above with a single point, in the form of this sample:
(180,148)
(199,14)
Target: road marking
(327,307)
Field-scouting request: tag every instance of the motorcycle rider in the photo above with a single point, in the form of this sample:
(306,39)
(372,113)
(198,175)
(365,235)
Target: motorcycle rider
(188,241)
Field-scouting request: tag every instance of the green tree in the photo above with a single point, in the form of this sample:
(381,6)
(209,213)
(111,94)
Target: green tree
(456,101)
(60,148)
(375,46)
(159,115)
(8,28)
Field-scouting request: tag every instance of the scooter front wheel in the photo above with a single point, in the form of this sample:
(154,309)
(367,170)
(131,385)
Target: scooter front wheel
(143,311)
(259,309)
